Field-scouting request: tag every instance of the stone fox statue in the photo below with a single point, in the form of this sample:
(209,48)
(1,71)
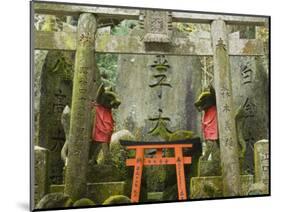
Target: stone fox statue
(103,123)
(206,102)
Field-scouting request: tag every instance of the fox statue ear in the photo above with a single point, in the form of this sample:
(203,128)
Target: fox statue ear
(212,90)
(100,91)
(110,89)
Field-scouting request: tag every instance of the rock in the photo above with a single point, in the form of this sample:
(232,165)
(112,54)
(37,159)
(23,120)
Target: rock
(54,201)
(209,168)
(83,202)
(117,199)
(258,189)
(118,152)
(206,187)
(99,192)
(98,173)
(212,186)
(246,182)
(41,165)
(261,150)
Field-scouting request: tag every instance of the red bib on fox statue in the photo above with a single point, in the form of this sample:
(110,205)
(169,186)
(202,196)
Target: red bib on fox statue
(104,124)
(210,123)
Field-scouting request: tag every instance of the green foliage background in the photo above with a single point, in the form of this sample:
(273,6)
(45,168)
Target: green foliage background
(107,63)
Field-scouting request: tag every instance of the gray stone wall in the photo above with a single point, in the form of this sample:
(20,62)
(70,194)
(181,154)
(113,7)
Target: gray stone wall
(141,102)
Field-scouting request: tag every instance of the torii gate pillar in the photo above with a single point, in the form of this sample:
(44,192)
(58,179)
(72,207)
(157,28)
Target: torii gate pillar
(80,122)
(225,109)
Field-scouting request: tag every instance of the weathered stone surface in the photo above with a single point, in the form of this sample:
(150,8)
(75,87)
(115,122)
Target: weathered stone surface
(135,75)
(212,186)
(80,122)
(246,183)
(157,26)
(103,173)
(209,168)
(83,202)
(54,201)
(134,44)
(99,192)
(119,153)
(261,149)
(41,167)
(225,110)
(244,46)
(57,188)
(124,13)
(55,93)
(206,187)
(250,90)
(39,60)
(117,199)
(258,189)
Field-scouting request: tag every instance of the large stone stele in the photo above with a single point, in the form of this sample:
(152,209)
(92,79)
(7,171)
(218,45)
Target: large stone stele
(140,101)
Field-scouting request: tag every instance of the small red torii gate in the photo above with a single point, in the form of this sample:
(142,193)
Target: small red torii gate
(178,159)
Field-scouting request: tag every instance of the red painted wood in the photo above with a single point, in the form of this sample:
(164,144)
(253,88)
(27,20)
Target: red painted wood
(135,194)
(180,174)
(158,161)
(159,153)
(139,161)
(160,146)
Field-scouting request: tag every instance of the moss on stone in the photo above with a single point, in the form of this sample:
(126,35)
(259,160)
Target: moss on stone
(54,200)
(209,168)
(117,199)
(50,24)
(181,135)
(99,192)
(83,202)
(212,186)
